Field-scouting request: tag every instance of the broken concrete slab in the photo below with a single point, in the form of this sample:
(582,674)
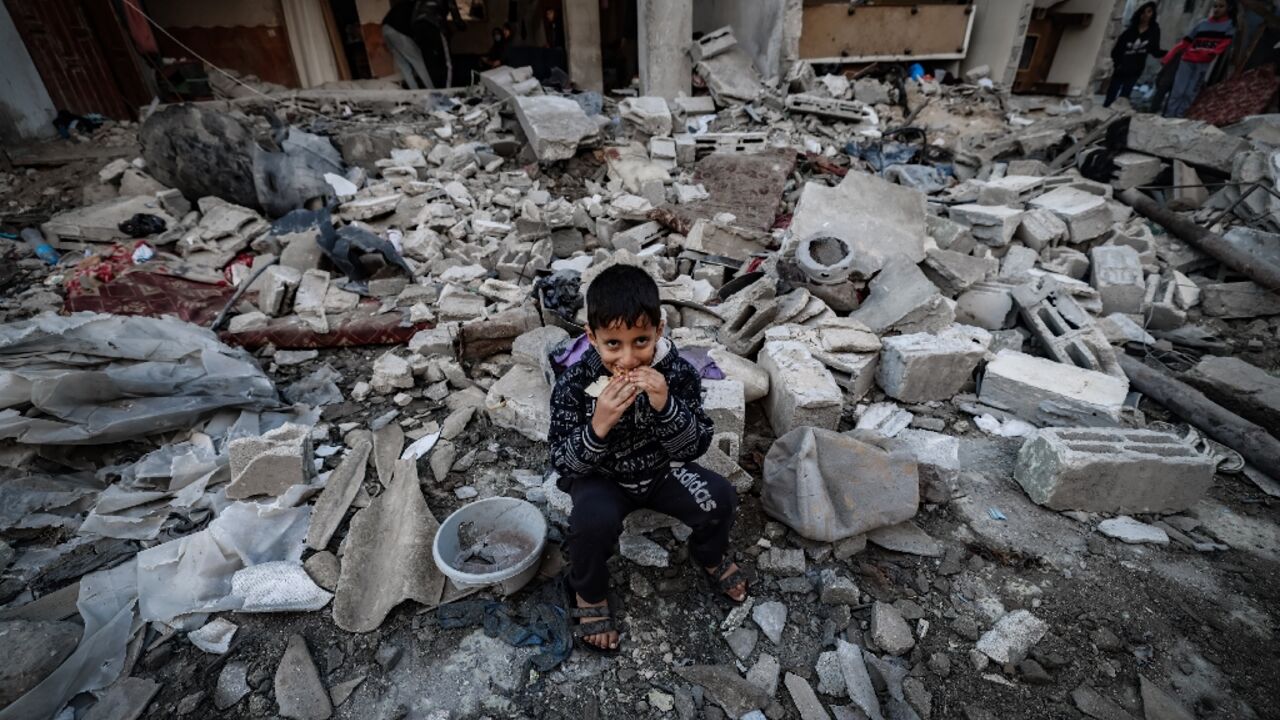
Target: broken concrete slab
(731,76)
(802,392)
(1112,470)
(1128,530)
(1044,392)
(937,459)
(388,555)
(992,225)
(272,463)
(554,125)
(726,688)
(1157,704)
(955,272)
(857,680)
(1244,299)
(903,299)
(300,693)
(1135,170)
(1245,389)
(1087,215)
(233,685)
(1190,141)
(101,222)
(308,301)
(337,495)
(889,630)
(650,114)
(878,219)
(921,367)
(906,537)
(1063,329)
(124,699)
(521,400)
(771,617)
(1041,228)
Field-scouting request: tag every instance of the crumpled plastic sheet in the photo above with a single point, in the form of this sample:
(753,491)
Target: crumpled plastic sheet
(925,178)
(97,379)
(279,586)
(194,573)
(317,389)
(345,245)
(215,637)
(106,604)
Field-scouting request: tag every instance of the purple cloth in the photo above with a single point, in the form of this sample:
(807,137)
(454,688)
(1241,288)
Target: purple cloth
(699,358)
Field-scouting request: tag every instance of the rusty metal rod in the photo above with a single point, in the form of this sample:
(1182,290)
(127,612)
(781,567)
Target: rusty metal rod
(1243,262)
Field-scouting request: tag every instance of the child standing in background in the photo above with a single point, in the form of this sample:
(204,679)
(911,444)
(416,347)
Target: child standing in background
(1206,41)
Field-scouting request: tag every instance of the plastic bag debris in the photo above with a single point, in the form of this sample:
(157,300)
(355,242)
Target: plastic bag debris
(96,379)
(143,224)
(345,248)
(106,604)
(194,573)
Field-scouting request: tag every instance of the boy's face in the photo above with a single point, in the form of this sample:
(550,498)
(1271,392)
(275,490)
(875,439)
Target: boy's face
(623,347)
(1219,8)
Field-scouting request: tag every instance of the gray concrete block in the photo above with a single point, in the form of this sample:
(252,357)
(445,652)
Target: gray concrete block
(802,391)
(1044,392)
(1085,213)
(923,367)
(1190,141)
(1116,273)
(1114,470)
(991,224)
(1065,331)
(725,403)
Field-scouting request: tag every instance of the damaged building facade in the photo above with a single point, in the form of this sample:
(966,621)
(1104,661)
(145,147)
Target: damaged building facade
(993,370)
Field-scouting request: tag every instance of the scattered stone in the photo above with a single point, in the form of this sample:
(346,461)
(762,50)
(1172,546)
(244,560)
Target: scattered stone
(214,637)
(726,688)
(1092,703)
(1012,637)
(906,537)
(1160,705)
(554,125)
(1126,529)
(923,367)
(857,680)
(837,589)
(802,391)
(784,562)
(300,694)
(771,617)
(340,692)
(889,631)
(388,656)
(806,701)
(1044,392)
(643,551)
(233,685)
(830,678)
(1032,673)
(742,642)
(764,674)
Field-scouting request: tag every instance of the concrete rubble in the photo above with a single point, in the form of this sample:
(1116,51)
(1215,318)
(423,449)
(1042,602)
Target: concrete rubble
(911,353)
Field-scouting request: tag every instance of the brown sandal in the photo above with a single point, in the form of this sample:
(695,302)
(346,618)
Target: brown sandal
(722,583)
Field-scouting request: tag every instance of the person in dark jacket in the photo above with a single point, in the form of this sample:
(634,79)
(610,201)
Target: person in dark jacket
(1138,42)
(627,424)
(1205,43)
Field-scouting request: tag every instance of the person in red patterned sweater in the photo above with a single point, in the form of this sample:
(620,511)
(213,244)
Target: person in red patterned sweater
(1207,40)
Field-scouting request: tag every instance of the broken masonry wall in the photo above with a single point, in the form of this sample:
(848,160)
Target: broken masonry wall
(758,26)
(26,112)
(1084,53)
(247,36)
(999,30)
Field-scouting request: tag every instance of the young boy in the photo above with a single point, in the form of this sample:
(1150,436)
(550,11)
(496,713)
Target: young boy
(632,447)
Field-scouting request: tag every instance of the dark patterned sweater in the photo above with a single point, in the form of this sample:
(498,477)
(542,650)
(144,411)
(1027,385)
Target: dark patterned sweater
(642,445)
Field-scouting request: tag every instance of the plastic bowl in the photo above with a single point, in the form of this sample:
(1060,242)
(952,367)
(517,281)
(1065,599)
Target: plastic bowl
(493,541)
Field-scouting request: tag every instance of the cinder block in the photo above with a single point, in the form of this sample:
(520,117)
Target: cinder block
(271,463)
(1044,392)
(1160,305)
(991,224)
(1113,470)
(923,367)
(802,391)
(1116,273)
(1065,330)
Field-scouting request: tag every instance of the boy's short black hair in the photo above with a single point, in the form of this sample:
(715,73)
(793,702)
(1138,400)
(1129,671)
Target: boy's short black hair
(623,293)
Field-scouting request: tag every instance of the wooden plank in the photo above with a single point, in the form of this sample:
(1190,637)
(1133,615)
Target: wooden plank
(885,32)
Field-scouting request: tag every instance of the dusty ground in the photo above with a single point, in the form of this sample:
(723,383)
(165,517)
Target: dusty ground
(1200,624)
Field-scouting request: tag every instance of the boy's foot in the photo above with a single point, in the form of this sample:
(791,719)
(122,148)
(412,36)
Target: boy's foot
(738,590)
(604,641)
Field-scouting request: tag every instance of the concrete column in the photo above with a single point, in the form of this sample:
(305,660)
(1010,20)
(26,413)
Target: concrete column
(26,112)
(666,29)
(582,33)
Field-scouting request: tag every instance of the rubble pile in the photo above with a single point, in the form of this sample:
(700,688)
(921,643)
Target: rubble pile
(914,320)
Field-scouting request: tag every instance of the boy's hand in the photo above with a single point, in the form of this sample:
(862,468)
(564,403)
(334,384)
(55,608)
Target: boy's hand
(612,403)
(653,384)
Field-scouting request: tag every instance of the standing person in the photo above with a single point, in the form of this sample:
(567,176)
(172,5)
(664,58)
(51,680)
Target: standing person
(432,29)
(397,31)
(1140,40)
(631,445)
(1206,41)
(553,29)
